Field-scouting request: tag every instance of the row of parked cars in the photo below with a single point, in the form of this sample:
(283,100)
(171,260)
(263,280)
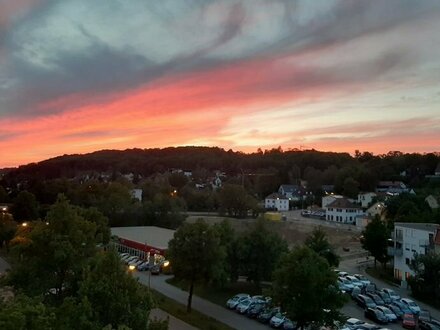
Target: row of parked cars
(259,308)
(384,305)
(134,262)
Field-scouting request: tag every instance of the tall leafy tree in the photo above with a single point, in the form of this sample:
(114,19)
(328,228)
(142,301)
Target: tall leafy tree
(8,228)
(25,207)
(54,252)
(195,254)
(261,250)
(375,240)
(305,286)
(318,242)
(426,282)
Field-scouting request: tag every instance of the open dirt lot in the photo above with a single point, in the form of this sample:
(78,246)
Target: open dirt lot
(296,229)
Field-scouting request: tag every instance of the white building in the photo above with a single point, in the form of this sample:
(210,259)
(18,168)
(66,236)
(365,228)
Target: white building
(377,208)
(342,210)
(327,199)
(276,201)
(409,239)
(365,199)
(393,187)
(137,194)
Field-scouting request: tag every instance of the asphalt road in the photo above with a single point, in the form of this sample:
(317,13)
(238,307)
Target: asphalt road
(208,308)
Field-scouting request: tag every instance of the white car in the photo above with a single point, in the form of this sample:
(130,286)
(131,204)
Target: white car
(352,323)
(365,281)
(244,305)
(388,313)
(411,305)
(355,281)
(235,300)
(277,320)
(392,294)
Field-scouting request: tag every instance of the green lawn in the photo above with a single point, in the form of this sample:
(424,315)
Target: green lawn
(194,318)
(216,295)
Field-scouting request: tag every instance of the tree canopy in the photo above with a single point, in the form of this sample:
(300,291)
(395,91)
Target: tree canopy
(375,240)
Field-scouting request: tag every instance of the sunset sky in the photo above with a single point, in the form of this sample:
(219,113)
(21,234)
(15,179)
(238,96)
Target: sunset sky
(80,75)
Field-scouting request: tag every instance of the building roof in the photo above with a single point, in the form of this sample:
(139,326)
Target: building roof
(394,184)
(290,188)
(419,226)
(151,235)
(276,196)
(343,203)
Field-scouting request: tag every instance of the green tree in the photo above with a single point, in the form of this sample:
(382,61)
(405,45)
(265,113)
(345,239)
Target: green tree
(24,313)
(305,286)
(195,253)
(25,207)
(235,201)
(4,197)
(115,296)
(426,282)
(54,252)
(350,187)
(261,250)
(8,227)
(318,242)
(375,240)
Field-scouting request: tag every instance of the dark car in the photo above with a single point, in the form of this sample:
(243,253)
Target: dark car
(289,325)
(377,300)
(396,310)
(376,315)
(429,325)
(402,307)
(267,314)
(364,301)
(255,309)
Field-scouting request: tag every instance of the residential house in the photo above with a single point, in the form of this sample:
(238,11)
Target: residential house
(433,201)
(276,201)
(393,187)
(376,209)
(136,194)
(329,199)
(366,198)
(292,192)
(409,239)
(342,210)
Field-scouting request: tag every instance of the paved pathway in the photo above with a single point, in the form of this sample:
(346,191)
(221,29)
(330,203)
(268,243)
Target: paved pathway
(174,323)
(208,308)
(354,266)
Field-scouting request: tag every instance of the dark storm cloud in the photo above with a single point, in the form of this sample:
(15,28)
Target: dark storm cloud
(102,68)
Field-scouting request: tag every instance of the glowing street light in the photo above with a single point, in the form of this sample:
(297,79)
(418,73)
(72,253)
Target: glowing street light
(132,267)
(24,224)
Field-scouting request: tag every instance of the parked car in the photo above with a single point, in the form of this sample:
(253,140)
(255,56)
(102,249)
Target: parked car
(244,305)
(367,326)
(396,310)
(377,300)
(409,321)
(370,288)
(277,320)
(344,284)
(155,269)
(343,274)
(235,300)
(376,315)
(365,281)
(411,305)
(365,301)
(391,293)
(143,266)
(289,325)
(429,325)
(403,307)
(386,298)
(356,291)
(255,309)
(388,313)
(352,323)
(355,281)
(267,314)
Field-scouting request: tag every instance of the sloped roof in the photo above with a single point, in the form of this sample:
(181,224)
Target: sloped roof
(343,203)
(275,196)
(290,188)
(419,226)
(151,235)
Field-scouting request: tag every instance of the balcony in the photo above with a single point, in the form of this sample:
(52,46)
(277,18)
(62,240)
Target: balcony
(394,252)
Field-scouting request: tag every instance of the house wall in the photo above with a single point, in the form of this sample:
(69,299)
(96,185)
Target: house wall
(342,215)
(366,199)
(279,203)
(411,241)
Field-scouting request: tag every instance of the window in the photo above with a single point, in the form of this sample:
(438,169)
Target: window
(398,274)
(407,261)
(406,246)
